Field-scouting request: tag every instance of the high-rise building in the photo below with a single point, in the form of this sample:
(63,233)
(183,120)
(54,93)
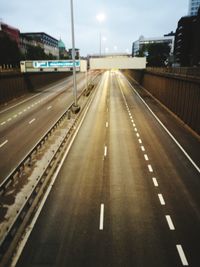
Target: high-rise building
(193,7)
(187,41)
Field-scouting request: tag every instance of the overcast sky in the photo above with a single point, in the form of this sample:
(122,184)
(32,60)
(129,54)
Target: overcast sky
(126,20)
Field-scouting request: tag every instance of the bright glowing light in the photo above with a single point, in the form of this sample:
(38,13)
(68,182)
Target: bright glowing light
(101,17)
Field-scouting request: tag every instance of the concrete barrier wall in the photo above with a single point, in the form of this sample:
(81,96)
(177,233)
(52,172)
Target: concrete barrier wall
(179,93)
(18,84)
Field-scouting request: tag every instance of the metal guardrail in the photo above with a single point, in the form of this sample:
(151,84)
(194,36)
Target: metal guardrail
(186,71)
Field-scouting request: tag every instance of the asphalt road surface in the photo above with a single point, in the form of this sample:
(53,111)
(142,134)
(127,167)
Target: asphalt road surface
(24,122)
(126,194)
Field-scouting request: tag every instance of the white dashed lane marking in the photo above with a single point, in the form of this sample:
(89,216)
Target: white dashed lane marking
(32,121)
(101,217)
(170,223)
(2,144)
(142,147)
(155,182)
(105,151)
(182,255)
(150,168)
(162,201)
(146,157)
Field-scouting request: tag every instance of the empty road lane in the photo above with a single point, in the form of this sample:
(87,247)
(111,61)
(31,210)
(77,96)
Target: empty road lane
(126,194)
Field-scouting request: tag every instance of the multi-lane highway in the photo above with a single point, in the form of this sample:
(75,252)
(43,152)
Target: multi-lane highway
(126,194)
(24,122)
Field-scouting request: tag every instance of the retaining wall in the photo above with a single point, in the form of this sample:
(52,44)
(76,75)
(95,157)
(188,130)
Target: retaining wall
(179,93)
(13,85)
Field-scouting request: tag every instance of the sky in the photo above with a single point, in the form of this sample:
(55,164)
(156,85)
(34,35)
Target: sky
(125,20)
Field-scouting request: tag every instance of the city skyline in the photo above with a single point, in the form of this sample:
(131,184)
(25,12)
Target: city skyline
(123,24)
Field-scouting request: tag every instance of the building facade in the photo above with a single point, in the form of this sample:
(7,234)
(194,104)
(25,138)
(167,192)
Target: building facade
(187,41)
(193,7)
(45,41)
(12,32)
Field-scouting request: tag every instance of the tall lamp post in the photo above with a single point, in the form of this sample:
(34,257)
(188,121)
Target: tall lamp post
(100,17)
(75,107)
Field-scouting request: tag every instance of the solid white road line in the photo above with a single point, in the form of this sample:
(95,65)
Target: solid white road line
(155,182)
(32,121)
(2,144)
(150,168)
(170,223)
(182,255)
(146,157)
(165,128)
(162,202)
(101,217)
(105,151)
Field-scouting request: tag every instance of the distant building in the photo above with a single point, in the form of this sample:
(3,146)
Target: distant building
(193,7)
(137,45)
(12,32)
(63,54)
(187,41)
(77,53)
(45,41)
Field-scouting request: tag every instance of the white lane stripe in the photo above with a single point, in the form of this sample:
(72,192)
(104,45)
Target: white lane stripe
(155,182)
(32,121)
(3,123)
(137,134)
(142,147)
(9,119)
(15,116)
(182,255)
(135,129)
(140,141)
(162,202)
(105,151)
(101,217)
(168,132)
(150,168)
(106,124)
(25,110)
(49,107)
(133,122)
(170,223)
(2,144)
(146,157)
(20,113)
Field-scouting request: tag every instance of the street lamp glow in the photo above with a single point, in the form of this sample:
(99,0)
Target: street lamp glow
(101,17)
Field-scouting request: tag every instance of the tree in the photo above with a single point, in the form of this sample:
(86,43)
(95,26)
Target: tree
(10,53)
(35,53)
(156,53)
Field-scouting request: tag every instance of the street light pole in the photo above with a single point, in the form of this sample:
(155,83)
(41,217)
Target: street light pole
(75,107)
